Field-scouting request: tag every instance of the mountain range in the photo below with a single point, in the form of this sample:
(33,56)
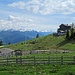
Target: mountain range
(13,36)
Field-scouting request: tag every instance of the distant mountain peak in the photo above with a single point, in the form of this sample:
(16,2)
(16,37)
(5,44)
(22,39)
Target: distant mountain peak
(15,36)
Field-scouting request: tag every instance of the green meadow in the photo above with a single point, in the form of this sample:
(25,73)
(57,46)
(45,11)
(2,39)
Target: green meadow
(48,42)
(37,70)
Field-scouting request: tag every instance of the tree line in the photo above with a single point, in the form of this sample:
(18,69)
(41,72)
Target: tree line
(70,34)
(1,43)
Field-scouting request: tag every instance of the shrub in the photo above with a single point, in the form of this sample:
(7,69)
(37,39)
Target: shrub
(68,73)
(53,71)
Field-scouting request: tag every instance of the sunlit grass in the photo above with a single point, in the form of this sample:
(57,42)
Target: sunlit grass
(37,70)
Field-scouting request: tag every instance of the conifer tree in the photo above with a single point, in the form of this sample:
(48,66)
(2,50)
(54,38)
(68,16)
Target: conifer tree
(67,34)
(72,31)
(1,43)
(37,36)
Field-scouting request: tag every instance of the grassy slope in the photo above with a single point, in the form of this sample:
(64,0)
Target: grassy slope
(37,70)
(45,43)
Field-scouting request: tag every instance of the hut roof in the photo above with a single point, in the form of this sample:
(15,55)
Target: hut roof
(5,50)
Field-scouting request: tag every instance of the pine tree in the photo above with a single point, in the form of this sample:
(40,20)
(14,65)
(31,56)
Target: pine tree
(9,43)
(1,43)
(72,31)
(67,34)
(37,36)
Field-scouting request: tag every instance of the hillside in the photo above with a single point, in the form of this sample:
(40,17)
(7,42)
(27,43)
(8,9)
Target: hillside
(45,43)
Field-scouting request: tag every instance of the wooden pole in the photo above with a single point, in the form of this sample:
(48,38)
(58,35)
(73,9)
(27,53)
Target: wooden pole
(7,60)
(74,59)
(20,60)
(34,60)
(62,60)
(49,60)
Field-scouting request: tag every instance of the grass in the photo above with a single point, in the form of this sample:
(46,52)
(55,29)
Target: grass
(48,42)
(46,55)
(45,43)
(37,70)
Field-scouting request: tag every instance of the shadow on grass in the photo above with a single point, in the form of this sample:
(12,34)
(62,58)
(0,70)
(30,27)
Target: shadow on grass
(63,43)
(72,41)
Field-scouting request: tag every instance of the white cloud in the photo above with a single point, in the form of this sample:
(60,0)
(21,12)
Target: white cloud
(67,7)
(19,4)
(23,24)
(46,6)
(15,23)
(12,18)
(19,19)
(3,22)
(5,25)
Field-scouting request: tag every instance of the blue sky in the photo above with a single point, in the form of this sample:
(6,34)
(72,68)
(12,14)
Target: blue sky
(40,15)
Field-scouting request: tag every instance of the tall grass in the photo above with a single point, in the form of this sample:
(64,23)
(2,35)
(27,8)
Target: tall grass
(37,70)
(45,43)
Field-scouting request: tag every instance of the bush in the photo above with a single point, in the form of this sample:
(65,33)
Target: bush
(68,73)
(33,42)
(53,71)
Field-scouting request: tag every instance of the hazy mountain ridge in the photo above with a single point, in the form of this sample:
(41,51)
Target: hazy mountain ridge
(13,36)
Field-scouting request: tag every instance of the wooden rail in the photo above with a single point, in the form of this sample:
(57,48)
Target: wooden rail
(38,60)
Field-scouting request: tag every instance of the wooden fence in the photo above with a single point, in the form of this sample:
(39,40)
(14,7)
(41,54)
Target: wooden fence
(38,60)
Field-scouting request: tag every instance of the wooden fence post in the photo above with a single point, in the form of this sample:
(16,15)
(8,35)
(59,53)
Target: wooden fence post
(21,60)
(12,53)
(34,60)
(62,60)
(16,60)
(7,60)
(74,59)
(49,60)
